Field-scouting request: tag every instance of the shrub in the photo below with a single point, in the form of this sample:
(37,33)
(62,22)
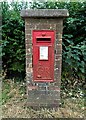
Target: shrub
(13,36)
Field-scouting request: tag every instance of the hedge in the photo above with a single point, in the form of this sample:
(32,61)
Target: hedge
(13,39)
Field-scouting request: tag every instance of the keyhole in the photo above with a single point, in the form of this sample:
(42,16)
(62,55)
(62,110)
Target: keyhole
(43,34)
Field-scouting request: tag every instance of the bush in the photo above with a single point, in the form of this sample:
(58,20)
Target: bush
(73,72)
(13,42)
(13,35)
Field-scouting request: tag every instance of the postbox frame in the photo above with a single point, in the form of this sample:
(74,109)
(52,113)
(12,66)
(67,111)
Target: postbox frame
(48,43)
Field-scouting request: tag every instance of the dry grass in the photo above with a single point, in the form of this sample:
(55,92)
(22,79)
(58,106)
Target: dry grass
(15,106)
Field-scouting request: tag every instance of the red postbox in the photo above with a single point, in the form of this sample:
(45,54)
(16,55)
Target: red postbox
(43,55)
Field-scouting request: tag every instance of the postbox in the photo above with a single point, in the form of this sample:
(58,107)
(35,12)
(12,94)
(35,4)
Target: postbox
(43,55)
(43,32)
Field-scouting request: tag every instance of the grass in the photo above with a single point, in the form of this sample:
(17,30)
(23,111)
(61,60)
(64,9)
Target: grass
(14,104)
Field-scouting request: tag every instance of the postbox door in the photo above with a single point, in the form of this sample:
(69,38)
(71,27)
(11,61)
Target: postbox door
(43,59)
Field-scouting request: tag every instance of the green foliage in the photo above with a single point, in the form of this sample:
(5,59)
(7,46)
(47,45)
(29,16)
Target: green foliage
(74,55)
(13,42)
(74,47)
(13,37)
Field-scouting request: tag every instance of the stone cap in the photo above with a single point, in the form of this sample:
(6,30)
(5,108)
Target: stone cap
(55,13)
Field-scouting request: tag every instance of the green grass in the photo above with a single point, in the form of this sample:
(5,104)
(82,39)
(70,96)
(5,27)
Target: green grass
(14,103)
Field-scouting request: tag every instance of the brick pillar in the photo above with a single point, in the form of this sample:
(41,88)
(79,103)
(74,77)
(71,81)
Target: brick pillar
(44,94)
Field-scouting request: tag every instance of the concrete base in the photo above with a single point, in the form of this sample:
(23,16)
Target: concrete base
(42,95)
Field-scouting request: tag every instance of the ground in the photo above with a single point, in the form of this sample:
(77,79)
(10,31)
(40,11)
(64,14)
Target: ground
(14,104)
